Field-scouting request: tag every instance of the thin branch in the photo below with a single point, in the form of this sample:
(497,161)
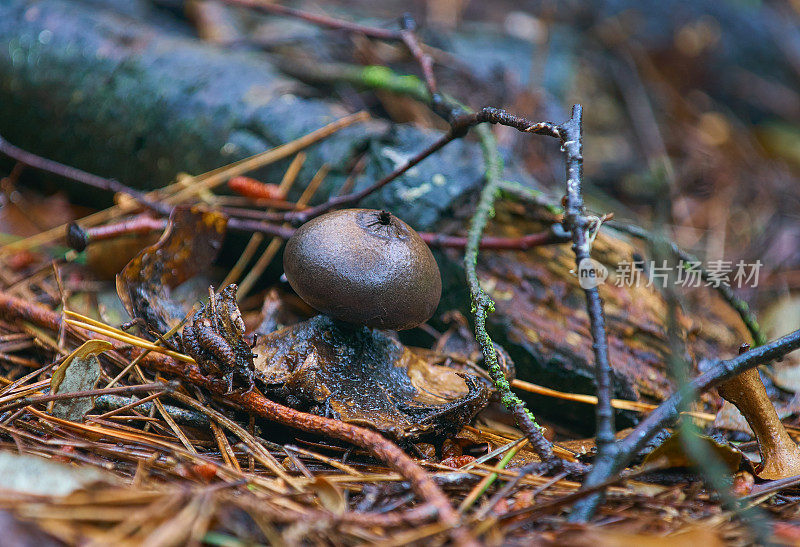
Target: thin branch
(719,372)
(500,117)
(523,243)
(668,411)
(578,224)
(73,173)
(406,34)
(299,217)
(460,125)
(409,37)
(79,239)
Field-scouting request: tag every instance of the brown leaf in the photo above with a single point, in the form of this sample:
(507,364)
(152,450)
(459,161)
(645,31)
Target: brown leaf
(330,496)
(671,453)
(79,372)
(188,246)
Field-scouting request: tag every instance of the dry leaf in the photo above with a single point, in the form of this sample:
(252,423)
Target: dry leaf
(188,246)
(80,371)
(671,453)
(35,475)
(330,496)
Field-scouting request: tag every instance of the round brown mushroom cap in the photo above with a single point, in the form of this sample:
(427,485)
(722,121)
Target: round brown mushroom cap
(365,267)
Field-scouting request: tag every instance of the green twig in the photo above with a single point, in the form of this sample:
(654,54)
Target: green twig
(488,480)
(482,304)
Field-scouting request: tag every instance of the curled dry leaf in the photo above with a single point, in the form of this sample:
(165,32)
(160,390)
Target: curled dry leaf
(671,453)
(190,244)
(368,378)
(330,496)
(80,371)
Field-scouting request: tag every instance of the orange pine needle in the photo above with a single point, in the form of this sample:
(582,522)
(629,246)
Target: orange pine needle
(252,188)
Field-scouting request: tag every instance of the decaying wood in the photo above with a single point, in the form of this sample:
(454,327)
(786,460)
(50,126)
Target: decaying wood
(538,299)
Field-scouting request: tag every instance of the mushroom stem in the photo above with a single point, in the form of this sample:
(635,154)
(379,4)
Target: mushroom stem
(780,456)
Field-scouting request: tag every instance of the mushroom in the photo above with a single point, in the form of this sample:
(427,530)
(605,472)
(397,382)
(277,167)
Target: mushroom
(378,272)
(780,456)
(366,270)
(364,267)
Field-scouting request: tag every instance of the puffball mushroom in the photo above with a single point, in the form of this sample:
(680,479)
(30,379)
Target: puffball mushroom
(366,270)
(365,267)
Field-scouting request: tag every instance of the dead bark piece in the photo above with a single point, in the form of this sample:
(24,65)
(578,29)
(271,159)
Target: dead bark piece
(780,456)
(541,321)
(368,378)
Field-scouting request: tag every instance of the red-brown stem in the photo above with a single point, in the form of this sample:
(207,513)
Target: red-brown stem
(145,223)
(252,188)
(425,61)
(79,238)
(140,224)
(15,309)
